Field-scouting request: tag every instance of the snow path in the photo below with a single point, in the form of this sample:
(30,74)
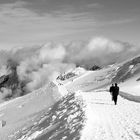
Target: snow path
(105,121)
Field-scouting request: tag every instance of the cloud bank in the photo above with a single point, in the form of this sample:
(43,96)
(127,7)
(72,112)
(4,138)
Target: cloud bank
(100,51)
(37,65)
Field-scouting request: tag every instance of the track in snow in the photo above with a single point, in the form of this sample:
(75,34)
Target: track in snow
(105,121)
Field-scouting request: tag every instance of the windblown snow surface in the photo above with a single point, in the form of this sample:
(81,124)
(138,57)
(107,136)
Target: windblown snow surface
(64,120)
(85,114)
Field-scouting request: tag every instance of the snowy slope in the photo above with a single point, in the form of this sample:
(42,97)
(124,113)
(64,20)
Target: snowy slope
(56,114)
(127,70)
(22,110)
(127,74)
(63,121)
(92,80)
(131,86)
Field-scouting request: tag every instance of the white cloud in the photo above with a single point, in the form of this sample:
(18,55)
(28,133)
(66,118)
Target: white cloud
(100,51)
(38,65)
(103,45)
(51,53)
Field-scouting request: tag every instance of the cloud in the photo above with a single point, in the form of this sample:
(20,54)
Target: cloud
(38,65)
(37,69)
(49,49)
(116,22)
(100,51)
(21,24)
(94,5)
(102,45)
(15,10)
(120,21)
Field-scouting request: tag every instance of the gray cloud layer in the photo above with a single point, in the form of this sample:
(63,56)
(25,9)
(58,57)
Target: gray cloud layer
(35,21)
(38,65)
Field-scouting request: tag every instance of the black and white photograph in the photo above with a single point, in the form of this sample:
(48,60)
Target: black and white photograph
(69,69)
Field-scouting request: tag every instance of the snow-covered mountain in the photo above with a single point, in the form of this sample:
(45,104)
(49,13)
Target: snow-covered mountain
(79,108)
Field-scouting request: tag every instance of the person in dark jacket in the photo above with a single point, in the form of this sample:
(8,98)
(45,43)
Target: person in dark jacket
(115,93)
(111,90)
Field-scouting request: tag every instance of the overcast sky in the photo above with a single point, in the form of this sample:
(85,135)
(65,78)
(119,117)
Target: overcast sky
(38,21)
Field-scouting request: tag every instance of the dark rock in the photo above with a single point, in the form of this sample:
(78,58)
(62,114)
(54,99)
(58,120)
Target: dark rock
(2,123)
(95,67)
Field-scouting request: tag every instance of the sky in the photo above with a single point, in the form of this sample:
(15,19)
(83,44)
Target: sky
(26,22)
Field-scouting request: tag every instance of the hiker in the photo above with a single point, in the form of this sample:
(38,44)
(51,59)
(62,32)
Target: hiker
(111,90)
(115,93)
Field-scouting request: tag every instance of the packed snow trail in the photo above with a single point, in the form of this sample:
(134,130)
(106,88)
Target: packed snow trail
(106,121)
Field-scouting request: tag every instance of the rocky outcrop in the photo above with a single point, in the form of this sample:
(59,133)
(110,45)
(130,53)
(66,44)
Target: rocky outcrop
(66,76)
(10,83)
(95,67)
(2,123)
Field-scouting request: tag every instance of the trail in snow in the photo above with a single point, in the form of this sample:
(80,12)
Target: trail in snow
(105,121)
